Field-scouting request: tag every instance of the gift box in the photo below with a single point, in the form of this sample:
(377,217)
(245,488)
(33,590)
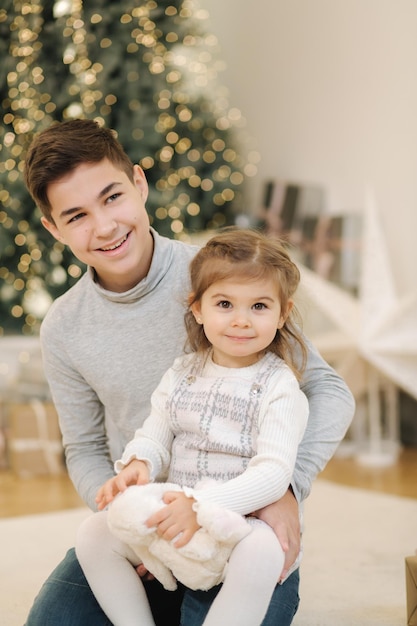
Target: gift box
(34,444)
(411,588)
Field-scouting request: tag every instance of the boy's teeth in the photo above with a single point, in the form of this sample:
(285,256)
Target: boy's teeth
(116,245)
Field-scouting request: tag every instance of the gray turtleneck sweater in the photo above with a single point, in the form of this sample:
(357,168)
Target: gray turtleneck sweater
(105,353)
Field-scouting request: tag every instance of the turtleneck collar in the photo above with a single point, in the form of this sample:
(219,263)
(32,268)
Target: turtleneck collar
(161,262)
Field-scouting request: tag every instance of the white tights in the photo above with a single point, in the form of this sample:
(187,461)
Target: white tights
(252,573)
(107,565)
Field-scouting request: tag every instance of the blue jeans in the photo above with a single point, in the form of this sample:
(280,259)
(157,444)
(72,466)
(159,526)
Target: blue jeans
(281,611)
(66,600)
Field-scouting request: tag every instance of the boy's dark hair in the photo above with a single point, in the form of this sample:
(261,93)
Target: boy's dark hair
(61,148)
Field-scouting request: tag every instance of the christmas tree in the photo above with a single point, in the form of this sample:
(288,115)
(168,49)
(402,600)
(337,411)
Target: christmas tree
(149,71)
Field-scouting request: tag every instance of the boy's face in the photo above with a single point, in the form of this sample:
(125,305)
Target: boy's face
(101,216)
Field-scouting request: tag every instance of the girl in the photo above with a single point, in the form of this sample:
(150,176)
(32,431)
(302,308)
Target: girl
(231,410)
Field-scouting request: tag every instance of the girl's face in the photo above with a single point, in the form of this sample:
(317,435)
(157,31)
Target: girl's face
(240,319)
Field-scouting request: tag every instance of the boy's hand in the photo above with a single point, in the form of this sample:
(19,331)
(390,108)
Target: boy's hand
(177,518)
(143,573)
(135,473)
(283,517)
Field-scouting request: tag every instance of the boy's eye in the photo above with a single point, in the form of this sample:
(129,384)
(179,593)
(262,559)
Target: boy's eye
(76,217)
(113,197)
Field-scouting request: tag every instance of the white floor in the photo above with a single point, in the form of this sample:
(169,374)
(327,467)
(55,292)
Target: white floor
(353,572)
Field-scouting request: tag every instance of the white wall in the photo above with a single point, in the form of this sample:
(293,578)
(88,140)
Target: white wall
(329,91)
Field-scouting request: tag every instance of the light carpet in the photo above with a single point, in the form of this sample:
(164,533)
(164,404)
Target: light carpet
(353,571)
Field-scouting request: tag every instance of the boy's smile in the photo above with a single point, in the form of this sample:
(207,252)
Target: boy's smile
(100,215)
(116,245)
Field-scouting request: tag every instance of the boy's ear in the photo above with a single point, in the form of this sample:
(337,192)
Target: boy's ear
(140,181)
(51,228)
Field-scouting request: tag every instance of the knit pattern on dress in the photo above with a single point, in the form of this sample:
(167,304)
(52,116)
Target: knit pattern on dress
(215,420)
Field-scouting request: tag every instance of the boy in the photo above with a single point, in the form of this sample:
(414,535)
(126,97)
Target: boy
(108,340)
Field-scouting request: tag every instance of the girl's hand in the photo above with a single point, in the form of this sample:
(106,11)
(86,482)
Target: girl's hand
(175,519)
(135,473)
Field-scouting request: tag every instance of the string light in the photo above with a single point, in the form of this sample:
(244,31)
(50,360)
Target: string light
(149,72)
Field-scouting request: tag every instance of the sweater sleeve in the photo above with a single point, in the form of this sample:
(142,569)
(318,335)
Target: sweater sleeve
(331,411)
(152,442)
(81,419)
(267,477)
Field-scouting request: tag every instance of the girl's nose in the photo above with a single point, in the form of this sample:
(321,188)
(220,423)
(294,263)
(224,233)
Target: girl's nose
(241,319)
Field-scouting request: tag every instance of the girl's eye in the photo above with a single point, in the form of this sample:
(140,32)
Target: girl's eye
(224,304)
(259,306)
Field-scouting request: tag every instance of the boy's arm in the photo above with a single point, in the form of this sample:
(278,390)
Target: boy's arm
(81,419)
(331,411)
(152,442)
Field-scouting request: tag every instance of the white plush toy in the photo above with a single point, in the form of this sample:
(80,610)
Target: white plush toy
(201,563)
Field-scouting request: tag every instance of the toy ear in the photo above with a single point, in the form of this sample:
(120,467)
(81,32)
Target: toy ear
(223,525)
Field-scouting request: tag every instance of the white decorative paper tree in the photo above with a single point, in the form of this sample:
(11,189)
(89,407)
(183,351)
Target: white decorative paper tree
(372,339)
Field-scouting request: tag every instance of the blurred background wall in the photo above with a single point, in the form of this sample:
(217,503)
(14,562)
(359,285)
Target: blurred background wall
(329,92)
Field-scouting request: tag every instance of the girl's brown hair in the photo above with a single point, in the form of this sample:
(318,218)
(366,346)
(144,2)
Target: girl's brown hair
(251,255)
